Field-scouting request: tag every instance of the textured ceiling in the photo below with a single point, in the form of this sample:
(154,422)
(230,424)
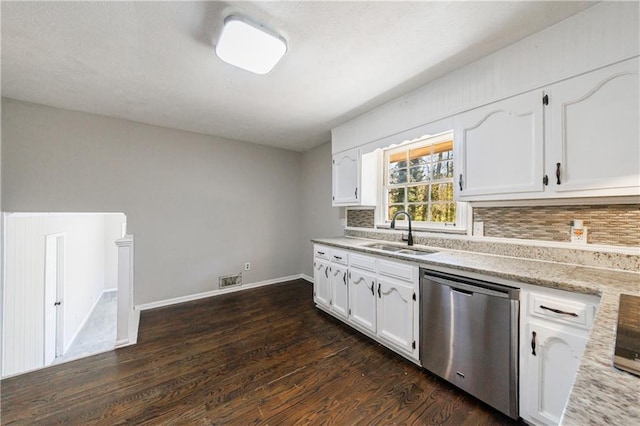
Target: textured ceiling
(154,62)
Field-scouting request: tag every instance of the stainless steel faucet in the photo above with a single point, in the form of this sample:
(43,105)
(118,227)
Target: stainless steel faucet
(409,238)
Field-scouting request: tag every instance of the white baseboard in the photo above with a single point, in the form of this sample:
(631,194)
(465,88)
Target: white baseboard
(191,297)
(306,278)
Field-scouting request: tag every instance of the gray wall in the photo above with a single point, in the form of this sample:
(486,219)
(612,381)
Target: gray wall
(199,206)
(320,219)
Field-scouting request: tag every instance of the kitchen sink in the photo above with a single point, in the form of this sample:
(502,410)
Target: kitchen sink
(384,247)
(400,250)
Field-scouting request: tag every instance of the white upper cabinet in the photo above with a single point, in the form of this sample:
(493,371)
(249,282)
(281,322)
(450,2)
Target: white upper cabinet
(346,168)
(595,134)
(576,138)
(499,148)
(355,178)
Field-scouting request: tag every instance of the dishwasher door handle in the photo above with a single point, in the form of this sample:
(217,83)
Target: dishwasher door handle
(465,292)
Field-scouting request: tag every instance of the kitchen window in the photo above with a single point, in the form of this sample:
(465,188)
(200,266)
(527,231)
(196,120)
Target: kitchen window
(418,178)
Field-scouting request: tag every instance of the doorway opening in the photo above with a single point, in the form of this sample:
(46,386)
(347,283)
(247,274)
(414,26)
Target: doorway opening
(53,293)
(60,287)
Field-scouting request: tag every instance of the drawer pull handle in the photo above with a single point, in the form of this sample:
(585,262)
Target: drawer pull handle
(373,293)
(321,253)
(558,311)
(558,165)
(337,257)
(379,293)
(533,343)
(326,271)
(344,278)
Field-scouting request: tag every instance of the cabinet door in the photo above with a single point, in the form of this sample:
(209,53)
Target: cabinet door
(395,314)
(321,282)
(551,371)
(362,299)
(345,175)
(500,148)
(339,290)
(595,137)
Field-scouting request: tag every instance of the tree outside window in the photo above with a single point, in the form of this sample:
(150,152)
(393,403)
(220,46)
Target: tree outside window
(419,180)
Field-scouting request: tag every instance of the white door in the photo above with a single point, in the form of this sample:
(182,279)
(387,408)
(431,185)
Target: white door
(499,148)
(321,282)
(345,177)
(339,290)
(362,299)
(551,371)
(54,289)
(595,140)
(395,314)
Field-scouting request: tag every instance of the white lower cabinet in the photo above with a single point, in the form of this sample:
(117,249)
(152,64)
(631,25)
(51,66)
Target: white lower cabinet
(553,335)
(330,288)
(321,288)
(396,308)
(376,296)
(362,300)
(551,370)
(339,290)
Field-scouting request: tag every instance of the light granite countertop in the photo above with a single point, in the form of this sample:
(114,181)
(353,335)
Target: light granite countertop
(601,393)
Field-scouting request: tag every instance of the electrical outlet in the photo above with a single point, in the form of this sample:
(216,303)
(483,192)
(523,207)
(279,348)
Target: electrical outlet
(478,229)
(247,266)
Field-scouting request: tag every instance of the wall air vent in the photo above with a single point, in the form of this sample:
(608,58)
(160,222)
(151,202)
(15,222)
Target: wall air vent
(230,281)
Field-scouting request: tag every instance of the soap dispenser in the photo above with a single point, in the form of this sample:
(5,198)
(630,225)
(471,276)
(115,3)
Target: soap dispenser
(578,231)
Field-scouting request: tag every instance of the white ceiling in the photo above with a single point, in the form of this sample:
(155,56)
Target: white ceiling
(154,62)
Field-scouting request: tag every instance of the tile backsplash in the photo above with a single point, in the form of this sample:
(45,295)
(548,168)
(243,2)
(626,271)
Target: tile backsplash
(608,224)
(611,224)
(361,218)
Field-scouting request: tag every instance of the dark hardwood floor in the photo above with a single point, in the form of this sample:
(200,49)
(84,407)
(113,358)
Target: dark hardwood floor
(263,356)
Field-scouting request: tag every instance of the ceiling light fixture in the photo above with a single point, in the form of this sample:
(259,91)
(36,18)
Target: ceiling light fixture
(249,45)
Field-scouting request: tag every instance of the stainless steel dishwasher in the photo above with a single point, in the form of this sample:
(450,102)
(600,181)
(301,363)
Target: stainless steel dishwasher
(469,336)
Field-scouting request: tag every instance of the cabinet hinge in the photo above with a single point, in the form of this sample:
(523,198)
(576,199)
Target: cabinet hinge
(413,345)
(545,100)
(414,296)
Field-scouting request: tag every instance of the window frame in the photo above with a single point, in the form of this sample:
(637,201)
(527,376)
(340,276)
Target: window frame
(459,226)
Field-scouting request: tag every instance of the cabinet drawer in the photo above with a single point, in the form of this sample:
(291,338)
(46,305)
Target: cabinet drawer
(396,270)
(339,256)
(562,311)
(321,252)
(363,262)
